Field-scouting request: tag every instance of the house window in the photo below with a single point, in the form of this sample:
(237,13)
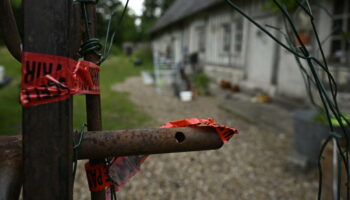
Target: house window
(340,42)
(201,38)
(234,31)
(227,34)
(238,36)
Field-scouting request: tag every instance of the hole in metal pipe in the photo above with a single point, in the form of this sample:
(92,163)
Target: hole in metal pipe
(180,137)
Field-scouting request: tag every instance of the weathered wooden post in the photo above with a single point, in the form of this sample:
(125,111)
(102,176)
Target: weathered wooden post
(47,128)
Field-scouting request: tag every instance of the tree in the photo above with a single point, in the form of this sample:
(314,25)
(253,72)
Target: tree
(126,30)
(153,9)
(166,4)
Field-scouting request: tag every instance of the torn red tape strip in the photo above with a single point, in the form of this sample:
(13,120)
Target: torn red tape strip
(124,168)
(97,177)
(224,132)
(49,78)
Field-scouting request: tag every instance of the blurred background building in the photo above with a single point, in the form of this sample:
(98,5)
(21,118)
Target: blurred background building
(227,47)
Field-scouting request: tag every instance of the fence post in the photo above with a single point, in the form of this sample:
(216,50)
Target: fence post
(93,102)
(47,129)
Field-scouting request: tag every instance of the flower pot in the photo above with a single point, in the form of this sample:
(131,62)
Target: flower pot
(308,135)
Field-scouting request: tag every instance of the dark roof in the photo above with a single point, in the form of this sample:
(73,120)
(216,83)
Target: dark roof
(182,9)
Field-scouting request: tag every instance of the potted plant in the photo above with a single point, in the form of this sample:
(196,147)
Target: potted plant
(310,130)
(201,83)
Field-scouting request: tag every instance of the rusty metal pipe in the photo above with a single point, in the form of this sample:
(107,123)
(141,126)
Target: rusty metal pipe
(105,144)
(9,29)
(148,141)
(128,142)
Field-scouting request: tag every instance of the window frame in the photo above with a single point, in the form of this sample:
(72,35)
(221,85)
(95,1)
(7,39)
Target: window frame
(238,32)
(232,36)
(201,41)
(337,37)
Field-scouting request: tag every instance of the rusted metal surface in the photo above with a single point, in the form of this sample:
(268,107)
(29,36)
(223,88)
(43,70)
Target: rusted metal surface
(102,144)
(148,141)
(9,29)
(10,167)
(109,143)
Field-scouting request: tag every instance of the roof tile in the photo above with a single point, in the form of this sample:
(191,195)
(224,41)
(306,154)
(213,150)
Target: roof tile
(182,9)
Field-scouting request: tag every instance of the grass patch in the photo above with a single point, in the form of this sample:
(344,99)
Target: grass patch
(118,112)
(10,109)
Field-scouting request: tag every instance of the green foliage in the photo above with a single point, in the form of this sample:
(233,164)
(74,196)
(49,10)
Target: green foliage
(148,18)
(146,55)
(201,82)
(128,31)
(166,4)
(125,31)
(289,4)
(152,10)
(10,110)
(16,3)
(321,117)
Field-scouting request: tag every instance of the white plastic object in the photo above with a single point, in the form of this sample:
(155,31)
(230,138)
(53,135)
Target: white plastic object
(2,74)
(186,96)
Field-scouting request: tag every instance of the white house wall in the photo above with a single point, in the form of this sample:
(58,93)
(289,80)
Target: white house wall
(324,26)
(261,56)
(290,80)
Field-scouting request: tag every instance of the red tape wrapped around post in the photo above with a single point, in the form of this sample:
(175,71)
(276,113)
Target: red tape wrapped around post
(49,78)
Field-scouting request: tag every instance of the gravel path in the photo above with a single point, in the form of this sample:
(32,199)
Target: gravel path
(252,166)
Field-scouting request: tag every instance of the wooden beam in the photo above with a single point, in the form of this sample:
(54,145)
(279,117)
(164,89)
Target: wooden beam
(47,129)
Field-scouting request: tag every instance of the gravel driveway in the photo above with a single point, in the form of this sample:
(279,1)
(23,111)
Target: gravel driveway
(252,166)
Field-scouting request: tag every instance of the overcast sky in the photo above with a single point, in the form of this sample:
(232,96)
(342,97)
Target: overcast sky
(135,5)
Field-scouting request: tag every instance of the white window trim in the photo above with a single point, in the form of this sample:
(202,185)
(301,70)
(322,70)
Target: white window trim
(345,17)
(233,42)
